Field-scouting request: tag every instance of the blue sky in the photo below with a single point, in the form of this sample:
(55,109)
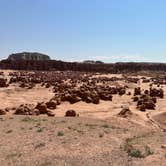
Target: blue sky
(76,30)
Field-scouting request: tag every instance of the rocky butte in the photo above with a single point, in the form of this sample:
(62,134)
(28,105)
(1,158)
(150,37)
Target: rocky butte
(28,56)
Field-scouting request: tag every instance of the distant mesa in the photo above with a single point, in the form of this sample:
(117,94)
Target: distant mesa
(29,56)
(93,62)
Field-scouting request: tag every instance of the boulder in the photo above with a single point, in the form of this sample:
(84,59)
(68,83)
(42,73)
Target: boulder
(137,91)
(74,99)
(135,98)
(51,104)
(96,100)
(71,113)
(42,108)
(50,113)
(3,83)
(125,112)
(142,108)
(26,109)
(2,112)
(150,105)
(122,92)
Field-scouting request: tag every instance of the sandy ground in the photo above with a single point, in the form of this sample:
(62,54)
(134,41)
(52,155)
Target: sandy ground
(13,96)
(97,137)
(46,141)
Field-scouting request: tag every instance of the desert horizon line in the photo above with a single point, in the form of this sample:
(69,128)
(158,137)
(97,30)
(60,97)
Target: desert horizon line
(103,59)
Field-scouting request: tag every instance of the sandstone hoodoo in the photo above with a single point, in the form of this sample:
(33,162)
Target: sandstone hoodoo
(26,109)
(71,113)
(137,91)
(42,107)
(29,56)
(51,104)
(2,112)
(3,82)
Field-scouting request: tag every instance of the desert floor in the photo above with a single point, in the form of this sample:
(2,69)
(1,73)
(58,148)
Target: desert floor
(97,137)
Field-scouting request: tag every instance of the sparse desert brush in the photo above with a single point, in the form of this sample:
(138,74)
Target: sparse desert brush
(28,119)
(80,131)
(91,125)
(44,120)
(39,130)
(38,124)
(42,144)
(105,126)
(13,155)
(148,151)
(69,127)
(60,133)
(131,151)
(137,152)
(2,119)
(22,128)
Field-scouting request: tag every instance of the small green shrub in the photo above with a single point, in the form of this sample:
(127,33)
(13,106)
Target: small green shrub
(28,119)
(39,130)
(148,151)
(105,126)
(135,153)
(60,133)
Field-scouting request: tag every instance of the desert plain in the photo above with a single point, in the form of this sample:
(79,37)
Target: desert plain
(69,118)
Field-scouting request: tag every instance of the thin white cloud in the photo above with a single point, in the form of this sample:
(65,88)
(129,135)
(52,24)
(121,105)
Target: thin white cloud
(112,58)
(120,58)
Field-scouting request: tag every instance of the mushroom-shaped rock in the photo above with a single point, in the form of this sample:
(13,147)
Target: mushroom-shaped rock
(26,109)
(137,91)
(71,113)
(42,108)
(2,112)
(3,82)
(96,100)
(122,92)
(142,108)
(51,104)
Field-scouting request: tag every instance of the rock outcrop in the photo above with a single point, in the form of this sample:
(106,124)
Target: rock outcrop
(28,56)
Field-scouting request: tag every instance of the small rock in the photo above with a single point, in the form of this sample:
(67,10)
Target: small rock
(125,112)
(163,146)
(49,113)
(2,112)
(71,113)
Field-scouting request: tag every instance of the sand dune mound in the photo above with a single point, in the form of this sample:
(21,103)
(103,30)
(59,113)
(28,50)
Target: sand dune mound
(161,119)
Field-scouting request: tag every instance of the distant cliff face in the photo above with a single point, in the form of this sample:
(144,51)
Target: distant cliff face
(28,56)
